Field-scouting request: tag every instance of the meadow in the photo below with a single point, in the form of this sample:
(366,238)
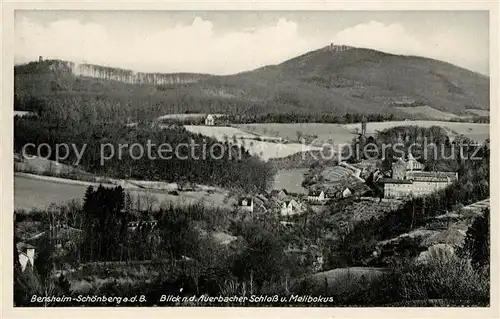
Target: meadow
(428,112)
(475,131)
(291,131)
(291,180)
(39,192)
(264,150)
(316,134)
(344,133)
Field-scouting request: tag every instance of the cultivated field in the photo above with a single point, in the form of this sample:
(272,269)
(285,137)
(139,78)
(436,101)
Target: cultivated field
(265,150)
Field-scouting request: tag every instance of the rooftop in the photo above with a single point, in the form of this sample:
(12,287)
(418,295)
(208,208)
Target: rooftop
(422,174)
(245,201)
(23,246)
(395,181)
(315,192)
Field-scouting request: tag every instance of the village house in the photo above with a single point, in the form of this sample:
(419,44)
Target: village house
(290,207)
(245,204)
(335,191)
(317,197)
(26,255)
(210,120)
(409,180)
(345,188)
(279,194)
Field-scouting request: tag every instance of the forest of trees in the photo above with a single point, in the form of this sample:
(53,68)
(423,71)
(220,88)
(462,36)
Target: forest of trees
(180,248)
(180,253)
(289,117)
(235,168)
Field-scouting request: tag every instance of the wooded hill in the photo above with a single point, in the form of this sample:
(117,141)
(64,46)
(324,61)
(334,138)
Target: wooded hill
(325,81)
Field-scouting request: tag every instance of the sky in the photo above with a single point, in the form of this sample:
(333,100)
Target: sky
(227,42)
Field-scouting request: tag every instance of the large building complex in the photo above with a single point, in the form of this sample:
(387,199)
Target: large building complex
(409,179)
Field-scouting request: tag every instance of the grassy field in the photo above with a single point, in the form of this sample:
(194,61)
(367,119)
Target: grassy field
(426,111)
(265,150)
(39,192)
(289,131)
(291,180)
(475,131)
(321,133)
(40,165)
(343,280)
(220,133)
(478,112)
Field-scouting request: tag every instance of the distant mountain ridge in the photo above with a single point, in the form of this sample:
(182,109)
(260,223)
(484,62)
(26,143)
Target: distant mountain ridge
(334,79)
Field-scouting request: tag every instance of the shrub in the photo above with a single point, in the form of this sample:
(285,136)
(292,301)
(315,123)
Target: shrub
(452,279)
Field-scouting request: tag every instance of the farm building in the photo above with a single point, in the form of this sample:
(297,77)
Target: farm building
(409,179)
(26,255)
(245,204)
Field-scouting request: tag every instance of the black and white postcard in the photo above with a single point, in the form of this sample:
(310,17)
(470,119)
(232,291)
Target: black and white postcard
(228,157)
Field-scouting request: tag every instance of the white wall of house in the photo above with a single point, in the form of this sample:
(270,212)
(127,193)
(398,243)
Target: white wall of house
(286,209)
(209,120)
(321,197)
(290,208)
(245,206)
(23,260)
(346,193)
(25,257)
(417,188)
